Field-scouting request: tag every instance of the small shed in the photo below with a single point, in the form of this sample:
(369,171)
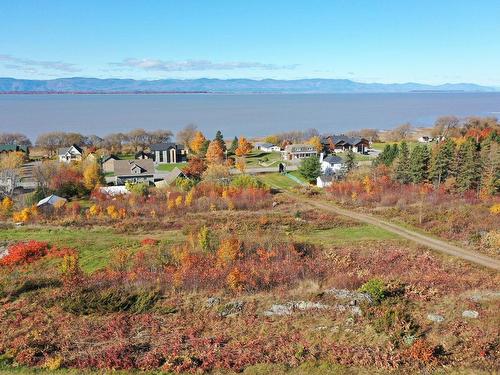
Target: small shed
(51,201)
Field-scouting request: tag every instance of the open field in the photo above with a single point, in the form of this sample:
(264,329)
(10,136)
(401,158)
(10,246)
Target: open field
(196,305)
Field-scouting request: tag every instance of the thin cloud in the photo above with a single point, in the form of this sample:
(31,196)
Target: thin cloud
(195,65)
(12,62)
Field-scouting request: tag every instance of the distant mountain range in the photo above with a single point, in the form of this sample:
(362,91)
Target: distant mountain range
(95,85)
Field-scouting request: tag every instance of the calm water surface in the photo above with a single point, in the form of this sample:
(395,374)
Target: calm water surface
(251,115)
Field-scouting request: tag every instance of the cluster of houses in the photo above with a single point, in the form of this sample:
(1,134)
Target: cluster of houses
(140,169)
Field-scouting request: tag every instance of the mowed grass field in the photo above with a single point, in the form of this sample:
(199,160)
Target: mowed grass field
(169,167)
(347,235)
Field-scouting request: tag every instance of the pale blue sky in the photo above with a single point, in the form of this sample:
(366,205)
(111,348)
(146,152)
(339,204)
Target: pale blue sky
(428,41)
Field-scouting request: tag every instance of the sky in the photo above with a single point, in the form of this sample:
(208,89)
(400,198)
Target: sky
(425,41)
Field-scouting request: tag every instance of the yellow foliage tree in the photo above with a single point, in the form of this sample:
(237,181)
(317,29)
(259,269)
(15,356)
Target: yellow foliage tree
(178,201)
(236,280)
(6,205)
(241,164)
(92,176)
(197,142)
(229,250)
(215,154)
(316,143)
(244,147)
(368,184)
(189,197)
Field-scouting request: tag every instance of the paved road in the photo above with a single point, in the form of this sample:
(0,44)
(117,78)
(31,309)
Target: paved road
(422,239)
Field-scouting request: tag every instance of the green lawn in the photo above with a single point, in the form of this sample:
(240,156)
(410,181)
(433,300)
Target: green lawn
(340,236)
(95,245)
(253,158)
(277,181)
(169,167)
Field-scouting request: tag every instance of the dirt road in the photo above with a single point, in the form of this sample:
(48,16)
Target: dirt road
(422,239)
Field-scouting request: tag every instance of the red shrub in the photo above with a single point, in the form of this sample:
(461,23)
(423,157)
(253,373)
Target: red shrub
(149,242)
(24,252)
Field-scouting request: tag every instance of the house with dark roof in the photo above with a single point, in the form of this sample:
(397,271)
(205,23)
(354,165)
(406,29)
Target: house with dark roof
(7,147)
(164,153)
(69,154)
(341,143)
(143,155)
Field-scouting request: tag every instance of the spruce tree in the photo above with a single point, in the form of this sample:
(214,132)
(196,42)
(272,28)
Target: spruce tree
(234,146)
(349,162)
(442,162)
(310,168)
(419,164)
(220,139)
(468,166)
(490,165)
(402,171)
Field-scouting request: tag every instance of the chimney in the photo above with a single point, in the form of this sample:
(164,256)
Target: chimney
(321,157)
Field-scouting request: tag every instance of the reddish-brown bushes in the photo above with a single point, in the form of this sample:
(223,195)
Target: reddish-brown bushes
(25,252)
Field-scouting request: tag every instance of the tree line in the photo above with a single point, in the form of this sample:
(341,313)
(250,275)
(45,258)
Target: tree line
(467,163)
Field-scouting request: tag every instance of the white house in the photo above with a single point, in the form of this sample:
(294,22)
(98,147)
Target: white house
(425,139)
(69,154)
(267,147)
(330,165)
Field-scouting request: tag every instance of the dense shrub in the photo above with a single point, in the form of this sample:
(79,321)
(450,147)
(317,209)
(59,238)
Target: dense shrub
(24,252)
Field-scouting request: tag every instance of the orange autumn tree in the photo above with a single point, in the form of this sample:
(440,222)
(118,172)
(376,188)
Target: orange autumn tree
(244,147)
(197,142)
(215,154)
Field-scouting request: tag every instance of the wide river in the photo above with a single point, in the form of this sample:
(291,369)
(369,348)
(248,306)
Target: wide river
(251,114)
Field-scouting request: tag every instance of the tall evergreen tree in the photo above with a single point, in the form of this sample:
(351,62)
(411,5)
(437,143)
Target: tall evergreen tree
(419,164)
(442,162)
(402,170)
(220,139)
(234,146)
(468,166)
(349,162)
(490,163)
(310,168)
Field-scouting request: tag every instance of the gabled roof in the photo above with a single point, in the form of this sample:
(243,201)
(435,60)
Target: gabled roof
(342,139)
(65,150)
(51,199)
(143,153)
(267,145)
(110,157)
(170,177)
(333,159)
(165,146)
(125,167)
